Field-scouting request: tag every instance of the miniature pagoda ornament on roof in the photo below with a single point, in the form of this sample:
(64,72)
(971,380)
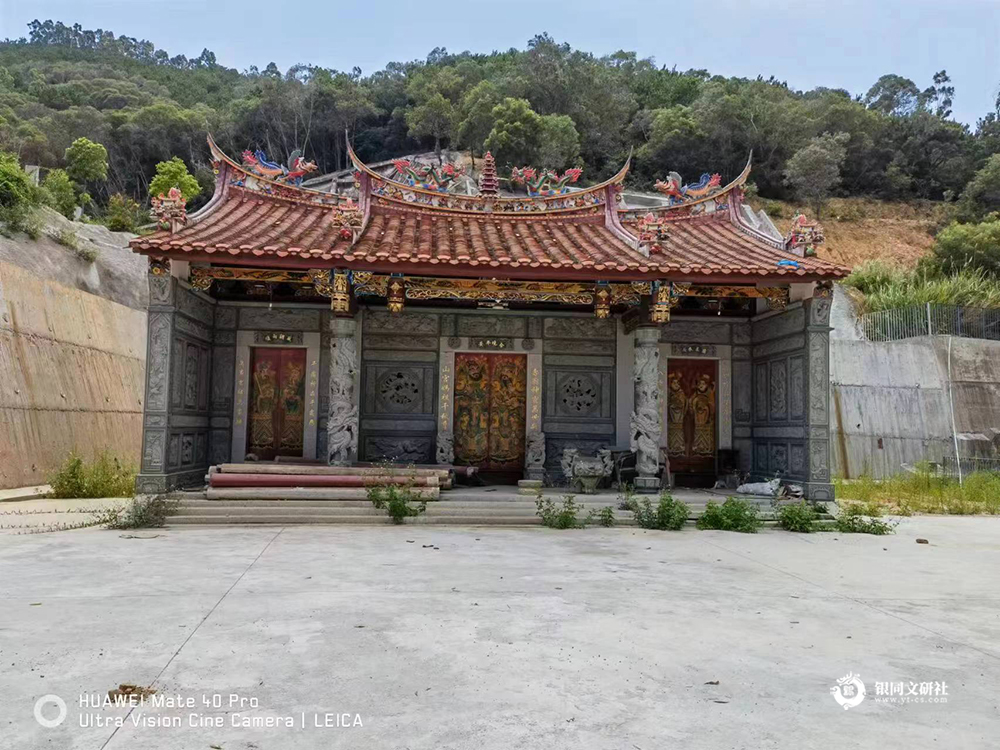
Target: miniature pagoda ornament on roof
(804,236)
(170,210)
(489,183)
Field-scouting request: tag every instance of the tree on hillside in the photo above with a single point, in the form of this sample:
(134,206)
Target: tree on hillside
(976,247)
(982,194)
(435,118)
(87,161)
(814,170)
(893,95)
(58,192)
(476,116)
(174,173)
(558,143)
(17,194)
(514,137)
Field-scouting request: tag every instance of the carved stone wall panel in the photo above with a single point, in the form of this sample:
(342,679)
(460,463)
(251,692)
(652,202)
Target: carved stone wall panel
(223,369)
(554,447)
(741,352)
(695,332)
(798,463)
(783,324)
(194,328)
(195,306)
(399,448)
(579,328)
(382,321)
(778,390)
(819,378)
(177,373)
(571,393)
(174,452)
(536,327)
(779,346)
(819,310)
(588,361)
(224,338)
(192,355)
(796,388)
(161,289)
(760,457)
(778,458)
(277,319)
(219,447)
(742,392)
(819,460)
(492,325)
(760,387)
(742,333)
(225,317)
(157,361)
(154,450)
(579,346)
(401,342)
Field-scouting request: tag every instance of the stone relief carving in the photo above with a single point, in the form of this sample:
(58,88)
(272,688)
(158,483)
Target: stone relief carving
(527,345)
(381,321)
(779,458)
(398,391)
(177,373)
(192,327)
(159,289)
(455,342)
(760,391)
(579,346)
(400,449)
(187,449)
(401,342)
(534,454)
(191,377)
(174,451)
(779,390)
(579,395)
(200,309)
(741,352)
(760,457)
(695,332)
(342,418)
(580,328)
(225,317)
(790,343)
(741,333)
(819,460)
(819,311)
(584,472)
(152,456)
(797,462)
(445,449)
(491,325)
(796,388)
(782,324)
(819,377)
(278,319)
(158,359)
(645,422)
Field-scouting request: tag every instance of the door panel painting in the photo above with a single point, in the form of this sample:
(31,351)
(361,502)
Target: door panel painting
(490,404)
(691,415)
(277,402)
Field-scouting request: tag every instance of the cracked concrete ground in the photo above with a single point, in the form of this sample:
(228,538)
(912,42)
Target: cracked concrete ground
(502,638)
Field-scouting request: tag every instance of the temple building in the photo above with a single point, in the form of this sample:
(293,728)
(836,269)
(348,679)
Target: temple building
(430,317)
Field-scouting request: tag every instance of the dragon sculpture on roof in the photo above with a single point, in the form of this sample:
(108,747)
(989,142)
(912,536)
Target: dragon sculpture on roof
(428,177)
(292,174)
(674,188)
(544,182)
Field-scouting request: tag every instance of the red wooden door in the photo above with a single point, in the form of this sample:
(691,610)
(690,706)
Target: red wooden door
(691,415)
(490,406)
(277,402)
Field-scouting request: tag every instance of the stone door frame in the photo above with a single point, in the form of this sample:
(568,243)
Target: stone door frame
(721,353)
(251,339)
(452,345)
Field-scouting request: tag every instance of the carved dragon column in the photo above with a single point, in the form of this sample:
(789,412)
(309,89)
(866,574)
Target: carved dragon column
(342,420)
(647,419)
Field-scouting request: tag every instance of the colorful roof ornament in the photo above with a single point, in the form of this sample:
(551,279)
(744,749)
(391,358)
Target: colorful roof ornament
(170,210)
(678,193)
(427,176)
(805,236)
(489,183)
(256,162)
(544,182)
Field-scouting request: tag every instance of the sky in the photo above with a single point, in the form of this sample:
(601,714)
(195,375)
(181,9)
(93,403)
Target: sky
(807,43)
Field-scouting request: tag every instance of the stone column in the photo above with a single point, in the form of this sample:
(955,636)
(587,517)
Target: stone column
(819,486)
(647,421)
(342,420)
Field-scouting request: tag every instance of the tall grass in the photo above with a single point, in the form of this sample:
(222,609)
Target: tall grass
(883,286)
(105,476)
(924,492)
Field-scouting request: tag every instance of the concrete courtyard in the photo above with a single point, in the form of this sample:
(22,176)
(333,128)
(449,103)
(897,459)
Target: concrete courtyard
(483,638)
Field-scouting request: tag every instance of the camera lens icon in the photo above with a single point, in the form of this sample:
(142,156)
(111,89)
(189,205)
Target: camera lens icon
(44,701)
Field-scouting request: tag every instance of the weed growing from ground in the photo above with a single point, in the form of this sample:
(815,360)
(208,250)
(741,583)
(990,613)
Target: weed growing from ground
(558,516)
(862,519)
(603,517)
(926,492)
(669,514)
(400,501)
(732,515)
(801,517)
(144,512)
(105,476)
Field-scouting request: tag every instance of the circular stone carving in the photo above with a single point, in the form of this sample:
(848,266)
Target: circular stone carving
(579,394)
(398,390)
(527,344)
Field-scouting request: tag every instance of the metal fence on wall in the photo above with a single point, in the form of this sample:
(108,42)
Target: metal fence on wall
(932,319)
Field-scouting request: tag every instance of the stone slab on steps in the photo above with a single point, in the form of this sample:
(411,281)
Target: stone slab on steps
(324,470)
(303,493)
(426,520)
(220,479)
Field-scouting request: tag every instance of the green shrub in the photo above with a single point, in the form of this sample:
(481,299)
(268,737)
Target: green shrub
(400,501)
(857,518)
(800,517)
(148,512)
(732,515)
(106,476)
(669,514)
(603,517)
(558,516)
(124,214)
(887,287)
(58,192)
(18,196)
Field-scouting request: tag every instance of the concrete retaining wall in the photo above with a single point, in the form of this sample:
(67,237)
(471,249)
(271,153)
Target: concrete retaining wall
(891,404)
(72,367)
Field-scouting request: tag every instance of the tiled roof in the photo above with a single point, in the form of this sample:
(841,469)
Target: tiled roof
(714,244)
